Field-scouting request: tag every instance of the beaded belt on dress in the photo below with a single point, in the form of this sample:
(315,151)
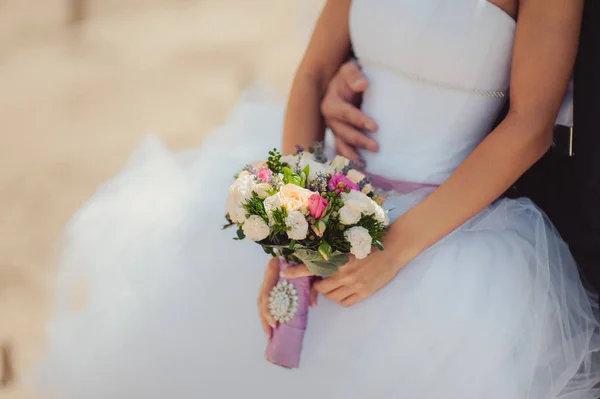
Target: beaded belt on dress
(419,79)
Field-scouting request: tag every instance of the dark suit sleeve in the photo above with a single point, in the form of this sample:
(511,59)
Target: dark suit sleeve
(568,188)
(581,200)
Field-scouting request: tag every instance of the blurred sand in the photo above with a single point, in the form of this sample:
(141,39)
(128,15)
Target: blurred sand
(74,101)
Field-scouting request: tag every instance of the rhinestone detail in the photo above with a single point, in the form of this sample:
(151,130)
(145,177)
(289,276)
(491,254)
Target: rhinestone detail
(283,301)
(418,79)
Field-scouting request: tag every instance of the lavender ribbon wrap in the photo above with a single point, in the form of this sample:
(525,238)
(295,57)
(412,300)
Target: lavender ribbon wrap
(398,186)
(285,345)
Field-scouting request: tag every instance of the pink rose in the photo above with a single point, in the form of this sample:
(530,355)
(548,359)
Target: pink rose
(339,182)
(316,205)
(265,174)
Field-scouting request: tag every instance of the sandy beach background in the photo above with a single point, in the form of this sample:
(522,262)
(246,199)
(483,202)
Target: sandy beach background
(75,99)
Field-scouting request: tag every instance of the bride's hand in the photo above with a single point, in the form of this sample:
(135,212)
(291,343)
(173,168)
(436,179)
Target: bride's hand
(357,280)
(269,281)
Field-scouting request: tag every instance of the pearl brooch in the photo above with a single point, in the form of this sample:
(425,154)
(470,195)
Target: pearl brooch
(283,301)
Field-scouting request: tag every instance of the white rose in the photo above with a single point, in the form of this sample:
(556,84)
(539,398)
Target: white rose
(370,207)
(380,215)
(350,213)
(360,200)
(255,228)
(297,224)
(373,208)
(355,176)
(355,195)
(317,168)
(239,192)
(291,160)
(232,204)
(294,197)
(301,159)
(339,163)
(240,214)
(271,203)
(360,241)
(366,204)
(262,188)
(377,211)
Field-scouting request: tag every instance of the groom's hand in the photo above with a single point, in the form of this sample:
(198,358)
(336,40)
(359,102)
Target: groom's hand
(340,108)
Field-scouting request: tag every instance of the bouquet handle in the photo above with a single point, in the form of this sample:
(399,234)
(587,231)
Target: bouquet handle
(285,344)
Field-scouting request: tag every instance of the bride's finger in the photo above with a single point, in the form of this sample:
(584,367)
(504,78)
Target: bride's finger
(351,300)
(296,272)
(264,310)
(340,294)
(266,327)
(328,284)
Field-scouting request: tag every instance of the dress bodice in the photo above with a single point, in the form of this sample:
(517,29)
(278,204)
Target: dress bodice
(438,74)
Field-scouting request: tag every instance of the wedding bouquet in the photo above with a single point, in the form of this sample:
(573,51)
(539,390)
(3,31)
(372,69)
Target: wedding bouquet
(303,209)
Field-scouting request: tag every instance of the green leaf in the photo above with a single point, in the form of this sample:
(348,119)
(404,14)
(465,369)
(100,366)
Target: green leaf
(289,177)
(229,222)
(240,234)
(287,251)
(376,229)
(256,206)
(306,170)
(269,250)
(305,174)
(324,250)
(317,265)
(274,161)
(228,225)
(295,179)
(292,244)
(304,178)
(279,226)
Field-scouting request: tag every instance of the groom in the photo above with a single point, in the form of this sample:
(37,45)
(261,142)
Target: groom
(565,183)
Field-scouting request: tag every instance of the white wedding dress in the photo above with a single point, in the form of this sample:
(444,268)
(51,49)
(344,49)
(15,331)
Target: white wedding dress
(495,310)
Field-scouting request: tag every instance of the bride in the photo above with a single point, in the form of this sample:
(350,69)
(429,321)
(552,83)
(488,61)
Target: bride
(474,296)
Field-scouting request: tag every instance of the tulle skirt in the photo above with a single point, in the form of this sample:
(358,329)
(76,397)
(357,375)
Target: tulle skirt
(495,310)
